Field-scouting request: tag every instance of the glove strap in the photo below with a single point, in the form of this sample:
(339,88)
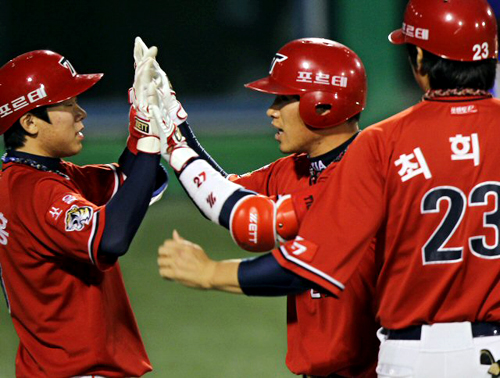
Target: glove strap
(149,145)
(180,156)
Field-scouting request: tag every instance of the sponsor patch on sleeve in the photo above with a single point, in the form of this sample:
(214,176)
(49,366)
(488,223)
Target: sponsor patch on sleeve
(78,217)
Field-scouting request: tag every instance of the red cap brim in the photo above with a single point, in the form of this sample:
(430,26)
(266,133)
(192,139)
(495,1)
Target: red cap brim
(268,85)
(397,37)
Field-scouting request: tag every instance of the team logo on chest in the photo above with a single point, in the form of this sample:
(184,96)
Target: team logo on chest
(78,217)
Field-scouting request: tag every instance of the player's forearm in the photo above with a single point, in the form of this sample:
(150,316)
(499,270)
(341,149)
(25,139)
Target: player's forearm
(187,263)
(193,142)
(125,211)
(225,276)
(260,276)
(263,276)
(126,162)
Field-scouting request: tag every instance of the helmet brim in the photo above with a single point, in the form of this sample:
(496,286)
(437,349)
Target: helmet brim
(80,84)
(268,85)
(397,37)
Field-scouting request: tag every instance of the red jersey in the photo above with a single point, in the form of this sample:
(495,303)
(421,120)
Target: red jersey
(70,310)
(325,335)
(427,183)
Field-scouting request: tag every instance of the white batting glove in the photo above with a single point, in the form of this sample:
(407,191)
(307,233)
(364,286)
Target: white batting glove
(162,126)
(174,108)
(144,70)
(146,116)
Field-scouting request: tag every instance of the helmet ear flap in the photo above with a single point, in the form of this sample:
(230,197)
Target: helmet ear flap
(317,109)
(320,109)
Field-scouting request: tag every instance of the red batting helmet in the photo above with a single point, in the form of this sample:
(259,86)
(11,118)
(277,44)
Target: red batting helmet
(462,30)
(323,73)
(35,79)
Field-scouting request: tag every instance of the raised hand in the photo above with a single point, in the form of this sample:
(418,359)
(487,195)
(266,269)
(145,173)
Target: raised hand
(185,262)
(145,117)
(168,96)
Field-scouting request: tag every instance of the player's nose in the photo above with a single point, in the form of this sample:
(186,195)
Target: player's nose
(81,114)
(272,113)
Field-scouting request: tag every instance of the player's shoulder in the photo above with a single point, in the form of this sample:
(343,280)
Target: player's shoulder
(492,103)
(286,162)
(18,176)
(297,162)
(71,167)
(430,111)
(289,159)
(394,120)
(287,166)
(392,126)
(25,186)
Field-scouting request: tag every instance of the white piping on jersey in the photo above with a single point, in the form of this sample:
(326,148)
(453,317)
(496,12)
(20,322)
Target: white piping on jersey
(91,237)
(117,179)
(311,268)
(4,289)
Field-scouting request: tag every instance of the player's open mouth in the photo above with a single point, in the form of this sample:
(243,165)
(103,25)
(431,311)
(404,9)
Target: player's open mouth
(80,135)
(278,134)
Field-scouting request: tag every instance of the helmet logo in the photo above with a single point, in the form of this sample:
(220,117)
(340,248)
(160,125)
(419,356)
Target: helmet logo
(278,58)
(66,64)
(321,78)
(413,32)
(22,101)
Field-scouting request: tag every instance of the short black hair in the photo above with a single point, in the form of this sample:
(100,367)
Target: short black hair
(15,136)
(453,74)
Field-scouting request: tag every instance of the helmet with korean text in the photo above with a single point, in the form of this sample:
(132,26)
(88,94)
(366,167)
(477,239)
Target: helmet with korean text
(324,73)
(462,30)
(38,78)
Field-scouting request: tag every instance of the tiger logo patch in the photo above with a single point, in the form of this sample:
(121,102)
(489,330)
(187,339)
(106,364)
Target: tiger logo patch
(78,217)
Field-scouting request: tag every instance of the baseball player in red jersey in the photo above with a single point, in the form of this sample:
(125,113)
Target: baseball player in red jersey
(325,337)
(63,227)
(426,183)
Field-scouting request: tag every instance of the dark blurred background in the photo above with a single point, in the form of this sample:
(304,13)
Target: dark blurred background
(209,49)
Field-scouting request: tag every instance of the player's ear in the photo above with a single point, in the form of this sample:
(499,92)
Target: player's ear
(421,76)
(29,123)
(420,58)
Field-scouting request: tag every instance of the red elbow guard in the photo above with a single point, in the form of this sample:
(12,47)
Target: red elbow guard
(232,177)
(252,224)
(287,224)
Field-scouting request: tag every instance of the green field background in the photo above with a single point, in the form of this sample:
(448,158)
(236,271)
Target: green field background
(190,333)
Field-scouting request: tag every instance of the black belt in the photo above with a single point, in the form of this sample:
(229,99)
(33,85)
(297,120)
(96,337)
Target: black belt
(479,329)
